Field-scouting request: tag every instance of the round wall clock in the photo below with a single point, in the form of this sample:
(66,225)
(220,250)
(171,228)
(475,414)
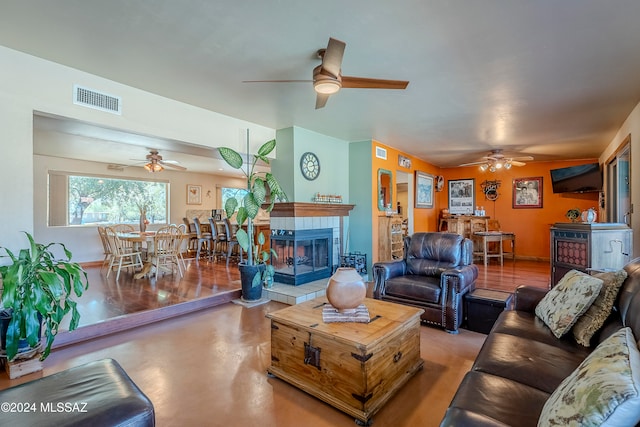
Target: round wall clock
(310,166)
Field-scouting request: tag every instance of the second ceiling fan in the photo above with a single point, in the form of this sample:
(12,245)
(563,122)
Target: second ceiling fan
(497,159)
(328,78)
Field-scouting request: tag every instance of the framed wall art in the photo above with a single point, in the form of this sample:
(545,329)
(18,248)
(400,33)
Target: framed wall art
(424,190)
(404,162)
(462,196)
(194,194)
(527,192)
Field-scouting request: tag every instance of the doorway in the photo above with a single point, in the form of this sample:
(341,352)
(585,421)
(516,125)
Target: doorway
(404,200)
(619,207)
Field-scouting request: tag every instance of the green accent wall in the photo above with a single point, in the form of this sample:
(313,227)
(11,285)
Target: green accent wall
(333,154)
(281,166)
(361,190)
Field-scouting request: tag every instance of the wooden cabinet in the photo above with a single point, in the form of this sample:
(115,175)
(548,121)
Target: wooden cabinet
(390,238)
(355,367)
(464,225)
(586,247)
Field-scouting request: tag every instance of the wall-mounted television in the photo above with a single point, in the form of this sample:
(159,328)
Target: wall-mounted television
(577,179)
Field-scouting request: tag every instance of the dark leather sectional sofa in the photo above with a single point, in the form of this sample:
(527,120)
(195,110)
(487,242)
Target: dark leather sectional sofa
(521,362)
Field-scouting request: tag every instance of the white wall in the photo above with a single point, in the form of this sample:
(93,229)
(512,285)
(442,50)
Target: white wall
(29,84)
(631,126)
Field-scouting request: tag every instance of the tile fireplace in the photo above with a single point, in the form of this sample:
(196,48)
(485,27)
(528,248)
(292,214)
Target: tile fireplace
(307,239)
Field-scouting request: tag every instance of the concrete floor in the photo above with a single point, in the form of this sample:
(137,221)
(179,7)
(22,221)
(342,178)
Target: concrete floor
(209,369)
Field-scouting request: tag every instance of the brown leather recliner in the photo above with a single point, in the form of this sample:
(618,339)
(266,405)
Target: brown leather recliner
(435,273)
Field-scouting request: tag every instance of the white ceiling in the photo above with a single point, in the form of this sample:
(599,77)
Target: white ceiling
(547,78)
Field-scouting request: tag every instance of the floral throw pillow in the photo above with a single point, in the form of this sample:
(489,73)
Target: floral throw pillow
(602,391)
(567,301)
(593,319)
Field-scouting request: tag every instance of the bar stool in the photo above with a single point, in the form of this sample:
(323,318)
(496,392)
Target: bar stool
(484,239)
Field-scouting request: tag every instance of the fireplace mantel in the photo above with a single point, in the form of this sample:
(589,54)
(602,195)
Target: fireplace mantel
(301,209)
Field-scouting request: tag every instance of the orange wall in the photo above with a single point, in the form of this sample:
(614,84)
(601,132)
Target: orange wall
(531,226)
(422,218)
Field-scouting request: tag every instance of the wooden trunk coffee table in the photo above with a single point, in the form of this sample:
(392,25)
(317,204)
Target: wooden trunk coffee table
(355,367)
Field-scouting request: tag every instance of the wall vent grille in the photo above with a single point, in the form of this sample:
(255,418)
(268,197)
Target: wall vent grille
(98,100)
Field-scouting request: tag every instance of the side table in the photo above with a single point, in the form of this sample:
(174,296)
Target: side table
(483,306)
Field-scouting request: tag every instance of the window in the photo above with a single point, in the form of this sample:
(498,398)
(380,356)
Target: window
(84,200)
(228,193)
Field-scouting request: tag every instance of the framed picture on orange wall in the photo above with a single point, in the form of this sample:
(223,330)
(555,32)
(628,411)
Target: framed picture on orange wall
(527,193)
(424,190)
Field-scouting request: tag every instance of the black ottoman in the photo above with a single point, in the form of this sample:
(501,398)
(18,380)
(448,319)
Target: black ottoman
(483,306)
(97,394)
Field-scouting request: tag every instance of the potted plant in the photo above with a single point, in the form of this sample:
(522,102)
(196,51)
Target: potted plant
(37,291)
(256,270)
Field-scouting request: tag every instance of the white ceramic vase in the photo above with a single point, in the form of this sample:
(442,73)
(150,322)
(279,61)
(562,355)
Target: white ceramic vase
(589,215)
(346,290)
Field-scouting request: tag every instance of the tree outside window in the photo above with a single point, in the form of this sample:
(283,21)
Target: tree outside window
(99,200)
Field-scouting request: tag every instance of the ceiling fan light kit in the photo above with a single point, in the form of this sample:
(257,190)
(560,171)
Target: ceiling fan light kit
(326,87)
(154,163)
(154,167)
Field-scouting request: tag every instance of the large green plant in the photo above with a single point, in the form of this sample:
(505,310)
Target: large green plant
(37,286)
(257,184)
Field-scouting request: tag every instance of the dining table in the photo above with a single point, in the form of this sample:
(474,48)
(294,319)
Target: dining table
(138,238)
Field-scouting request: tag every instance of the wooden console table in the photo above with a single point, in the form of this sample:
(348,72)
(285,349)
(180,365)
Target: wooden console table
(464,225)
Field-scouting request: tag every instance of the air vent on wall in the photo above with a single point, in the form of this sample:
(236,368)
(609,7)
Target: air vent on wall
(98,100)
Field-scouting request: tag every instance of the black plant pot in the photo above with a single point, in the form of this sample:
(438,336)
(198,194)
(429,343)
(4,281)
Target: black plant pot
(5,319)
(247,273)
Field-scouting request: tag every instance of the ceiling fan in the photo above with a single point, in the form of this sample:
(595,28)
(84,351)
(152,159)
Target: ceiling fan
(497,160)
(328,78)
(154,162)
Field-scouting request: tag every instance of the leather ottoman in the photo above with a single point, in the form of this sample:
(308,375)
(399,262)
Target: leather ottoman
(96,394)
(483,306)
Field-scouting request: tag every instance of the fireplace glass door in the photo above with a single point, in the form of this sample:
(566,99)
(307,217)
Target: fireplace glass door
(302,255)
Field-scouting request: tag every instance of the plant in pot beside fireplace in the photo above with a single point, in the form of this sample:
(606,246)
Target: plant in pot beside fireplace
(256,270)
(37,294)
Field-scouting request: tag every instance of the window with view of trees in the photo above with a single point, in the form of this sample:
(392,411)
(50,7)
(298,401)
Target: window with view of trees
(85,200)
(229,193)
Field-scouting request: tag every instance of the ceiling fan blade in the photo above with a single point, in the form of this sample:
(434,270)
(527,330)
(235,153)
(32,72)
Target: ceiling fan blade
(367,83)
(332,58)
(472,164)
(522,158)
(172,165)
(277,81)
(321,100)
(517,163)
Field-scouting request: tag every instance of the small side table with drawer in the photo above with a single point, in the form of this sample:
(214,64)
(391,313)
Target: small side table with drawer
(483,306)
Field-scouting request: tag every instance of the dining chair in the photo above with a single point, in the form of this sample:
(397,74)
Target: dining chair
(108,253)
(190,231)
(167,243)
(220,249)
(230,239)
(204,238)
(123,253)
(123,228)
(184,244)
(215,235)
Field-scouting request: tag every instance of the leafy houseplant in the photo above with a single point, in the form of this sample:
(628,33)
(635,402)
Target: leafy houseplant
(257,184)
(37,290)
